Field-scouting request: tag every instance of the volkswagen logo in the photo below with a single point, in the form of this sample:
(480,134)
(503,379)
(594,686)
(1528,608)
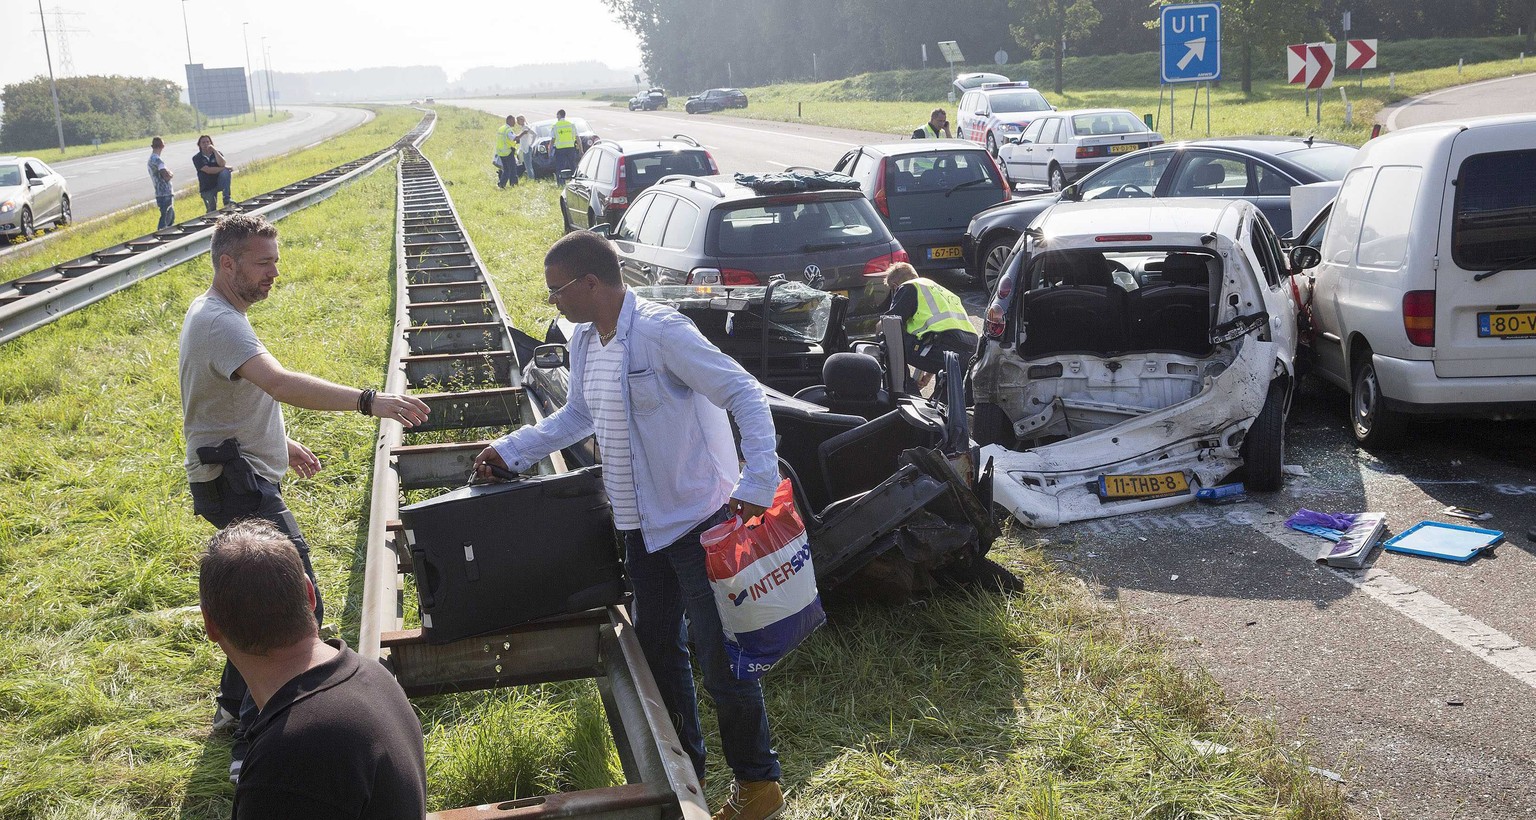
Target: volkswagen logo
(813,276)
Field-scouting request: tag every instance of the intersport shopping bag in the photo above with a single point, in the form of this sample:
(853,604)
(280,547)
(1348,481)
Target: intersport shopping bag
(765,587)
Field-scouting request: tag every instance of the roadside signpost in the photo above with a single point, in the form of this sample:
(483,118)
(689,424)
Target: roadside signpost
(1313,66)
(1191,40)
(951,51)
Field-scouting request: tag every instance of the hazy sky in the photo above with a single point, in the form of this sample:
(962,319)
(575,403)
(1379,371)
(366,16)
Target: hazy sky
(145,37)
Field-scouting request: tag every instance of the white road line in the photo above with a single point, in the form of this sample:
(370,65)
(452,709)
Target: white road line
(780,164)
(1499,650)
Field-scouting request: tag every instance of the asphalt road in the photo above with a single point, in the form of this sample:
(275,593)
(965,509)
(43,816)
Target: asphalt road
(1414,679)
(110,182)
(1508,95)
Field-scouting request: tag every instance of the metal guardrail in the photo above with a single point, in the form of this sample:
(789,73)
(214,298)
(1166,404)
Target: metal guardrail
(450,329)
(31,301)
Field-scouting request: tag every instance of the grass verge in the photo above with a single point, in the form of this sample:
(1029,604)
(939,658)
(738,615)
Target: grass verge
(252,179)
(1038,705)
(1273,108)
(217,126)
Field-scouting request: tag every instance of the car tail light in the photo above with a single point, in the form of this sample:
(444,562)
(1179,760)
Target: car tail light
(1419,317)
(713,168)
(995,324)
(621,188)
(879,265)
(1001,178)
(1087,151)
(722,276)
(881,204)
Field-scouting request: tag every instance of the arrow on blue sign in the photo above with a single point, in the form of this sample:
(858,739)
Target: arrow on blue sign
(1191,42)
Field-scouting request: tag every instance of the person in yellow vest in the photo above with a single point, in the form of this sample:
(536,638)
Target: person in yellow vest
(937,127)
(567,147)
(506,153)
(933,321)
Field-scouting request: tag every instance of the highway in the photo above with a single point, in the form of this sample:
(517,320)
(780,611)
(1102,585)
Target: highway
(1415,680)
(106,183)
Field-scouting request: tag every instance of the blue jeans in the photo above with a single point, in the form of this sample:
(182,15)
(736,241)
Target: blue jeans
(167,212)
(221,186)
(221,504)
(508,173)
(669,584)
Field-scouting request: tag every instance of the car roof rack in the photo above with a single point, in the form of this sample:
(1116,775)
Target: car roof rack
(692,182)
(687,139)
(602,140)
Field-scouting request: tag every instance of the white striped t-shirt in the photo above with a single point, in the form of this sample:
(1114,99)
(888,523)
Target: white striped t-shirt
(600,382)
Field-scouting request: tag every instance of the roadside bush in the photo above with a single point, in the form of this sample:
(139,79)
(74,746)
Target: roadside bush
(96,107)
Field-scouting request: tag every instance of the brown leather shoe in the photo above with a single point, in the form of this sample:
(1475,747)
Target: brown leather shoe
(752,800)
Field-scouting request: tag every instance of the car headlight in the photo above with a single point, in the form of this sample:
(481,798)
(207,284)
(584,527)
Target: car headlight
(1011,128)
(8,206)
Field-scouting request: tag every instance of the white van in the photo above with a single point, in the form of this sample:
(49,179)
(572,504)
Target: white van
(1424,300)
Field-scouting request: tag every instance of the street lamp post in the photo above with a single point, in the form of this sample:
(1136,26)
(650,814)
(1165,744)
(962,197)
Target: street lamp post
(266,56)
(187,30)
(250,82)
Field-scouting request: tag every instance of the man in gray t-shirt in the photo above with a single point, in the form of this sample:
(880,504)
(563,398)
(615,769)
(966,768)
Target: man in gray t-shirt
(237,448)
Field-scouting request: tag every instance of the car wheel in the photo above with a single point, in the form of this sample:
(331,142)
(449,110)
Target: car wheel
(1057,178)
(565,217)
(1376,426)
(1263,447)
(994,256)
(990,425)
(591,218)
(65,215)
(26,223)
(991,144)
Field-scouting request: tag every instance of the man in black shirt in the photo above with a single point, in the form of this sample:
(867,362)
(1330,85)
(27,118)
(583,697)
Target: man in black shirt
(213,173)
(335,736)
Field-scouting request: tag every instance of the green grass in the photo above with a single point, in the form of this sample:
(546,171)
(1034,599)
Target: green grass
(251,179)
(216,126)
(1273,108)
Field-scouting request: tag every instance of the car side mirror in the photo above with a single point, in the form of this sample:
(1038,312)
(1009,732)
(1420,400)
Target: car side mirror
(35,182)
(1304,257)
(1019,140)
(1071,193)
(602,229)
(549,357)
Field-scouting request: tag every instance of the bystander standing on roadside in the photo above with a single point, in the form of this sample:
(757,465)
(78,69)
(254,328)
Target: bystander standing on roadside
(213,173)
(237,448)
(335,735)
(525,138)
(656,395)
(566,145)
(161,177)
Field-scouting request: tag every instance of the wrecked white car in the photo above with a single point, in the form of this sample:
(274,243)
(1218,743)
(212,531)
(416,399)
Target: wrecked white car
(1134,353)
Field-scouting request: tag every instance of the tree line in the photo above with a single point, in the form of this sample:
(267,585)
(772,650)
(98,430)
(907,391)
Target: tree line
(690,45)
(104,108)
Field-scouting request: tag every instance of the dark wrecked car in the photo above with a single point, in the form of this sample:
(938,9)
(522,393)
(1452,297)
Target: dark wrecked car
(889,485)
(651,100)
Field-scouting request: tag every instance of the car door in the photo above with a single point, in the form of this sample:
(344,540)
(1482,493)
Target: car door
(45,197)
(1272,193)
(1015,156)
(1140,174)
(1044,153)
(642,264)
(1338,252)
(578,191)
(626,237)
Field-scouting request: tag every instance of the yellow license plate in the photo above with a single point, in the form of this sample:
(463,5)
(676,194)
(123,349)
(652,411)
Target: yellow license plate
(1125,148)
(1507,325)
(946,252)
(1152,485)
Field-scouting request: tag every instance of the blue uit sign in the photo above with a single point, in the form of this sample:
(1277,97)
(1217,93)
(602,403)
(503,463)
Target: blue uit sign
(1191,42)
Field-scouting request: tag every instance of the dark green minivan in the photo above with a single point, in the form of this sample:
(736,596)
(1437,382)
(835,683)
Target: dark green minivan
(926,191)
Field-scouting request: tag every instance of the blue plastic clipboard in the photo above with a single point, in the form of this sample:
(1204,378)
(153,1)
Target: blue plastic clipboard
(1452,542)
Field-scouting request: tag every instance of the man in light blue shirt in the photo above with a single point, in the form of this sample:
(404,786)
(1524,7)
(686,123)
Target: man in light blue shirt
(161,176)
(655,392)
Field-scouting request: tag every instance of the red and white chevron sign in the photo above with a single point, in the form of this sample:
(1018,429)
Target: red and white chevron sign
(1359,54)
(1320,64)
(1296,63)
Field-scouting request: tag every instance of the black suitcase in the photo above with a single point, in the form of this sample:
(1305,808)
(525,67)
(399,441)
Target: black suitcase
(492,556)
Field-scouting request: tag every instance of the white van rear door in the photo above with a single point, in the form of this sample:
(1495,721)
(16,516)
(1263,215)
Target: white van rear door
(1485,301)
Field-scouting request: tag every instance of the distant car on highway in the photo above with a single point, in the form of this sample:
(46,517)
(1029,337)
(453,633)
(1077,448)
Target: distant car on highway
(542,163)
(612,173)
(1261,170)
(648,100)
(31,194)
(715,99)
(996,112)
(1061,147)
(926,191)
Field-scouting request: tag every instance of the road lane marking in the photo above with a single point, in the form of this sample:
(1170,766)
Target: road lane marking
(1499,650)
(780,164)
(1392,118)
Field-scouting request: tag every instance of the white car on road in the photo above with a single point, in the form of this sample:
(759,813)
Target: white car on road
(31,194)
